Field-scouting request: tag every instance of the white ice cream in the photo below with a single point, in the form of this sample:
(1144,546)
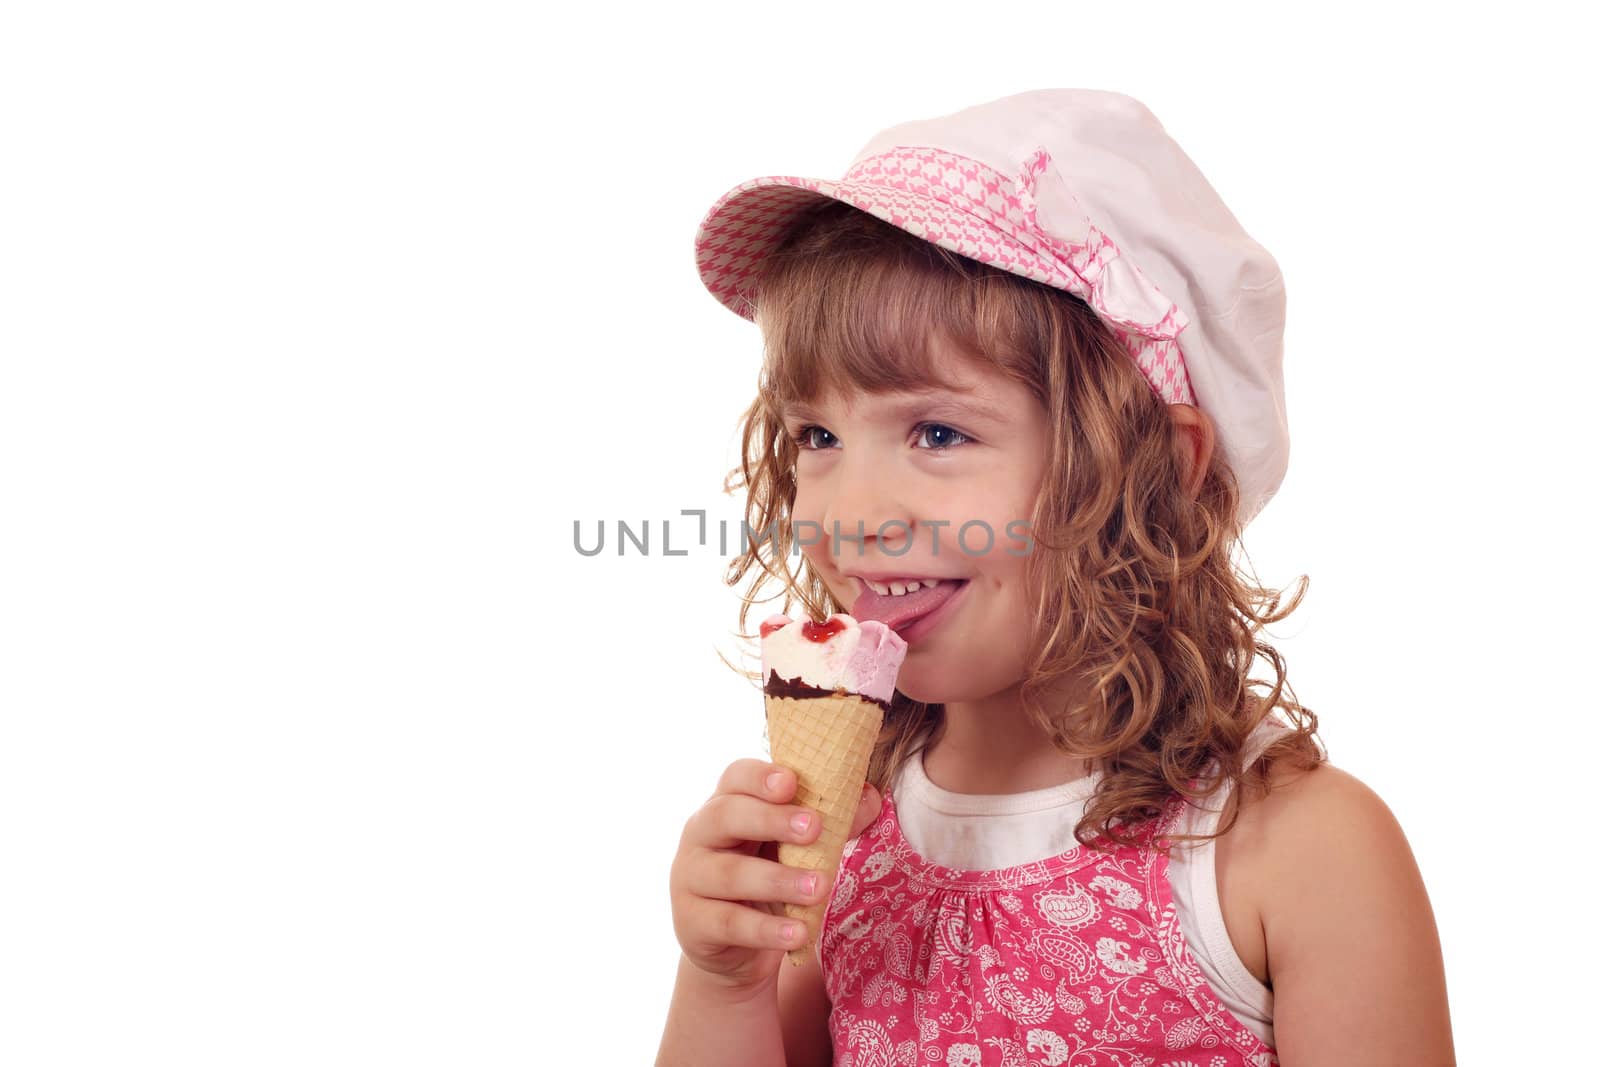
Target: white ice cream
(863,657)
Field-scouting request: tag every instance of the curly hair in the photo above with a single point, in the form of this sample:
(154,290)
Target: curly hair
(1134,589)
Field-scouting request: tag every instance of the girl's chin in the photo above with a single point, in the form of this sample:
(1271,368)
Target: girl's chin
(938,680)
(911,683)
(931,687)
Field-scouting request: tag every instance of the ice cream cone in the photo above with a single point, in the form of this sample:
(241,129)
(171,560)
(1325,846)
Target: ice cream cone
(827,741)
(827,685)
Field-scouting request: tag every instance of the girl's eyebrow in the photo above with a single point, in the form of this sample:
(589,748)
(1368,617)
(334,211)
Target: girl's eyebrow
(942,401)
(797,410)
(934,401)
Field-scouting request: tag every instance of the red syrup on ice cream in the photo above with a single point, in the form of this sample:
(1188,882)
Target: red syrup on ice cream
(811,631)
(821,631)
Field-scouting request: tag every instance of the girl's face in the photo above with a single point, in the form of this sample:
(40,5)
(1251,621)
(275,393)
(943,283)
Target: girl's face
(904,486)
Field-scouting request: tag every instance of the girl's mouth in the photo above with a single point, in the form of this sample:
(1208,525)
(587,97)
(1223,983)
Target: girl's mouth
(903,613)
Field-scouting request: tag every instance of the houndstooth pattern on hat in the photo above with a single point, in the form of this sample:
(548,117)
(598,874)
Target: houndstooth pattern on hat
(968,207)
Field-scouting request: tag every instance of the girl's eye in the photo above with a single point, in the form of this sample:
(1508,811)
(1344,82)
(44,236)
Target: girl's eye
(939,436)
(931,437)
(806,437)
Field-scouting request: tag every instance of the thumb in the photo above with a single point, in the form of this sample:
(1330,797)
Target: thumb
(867,810)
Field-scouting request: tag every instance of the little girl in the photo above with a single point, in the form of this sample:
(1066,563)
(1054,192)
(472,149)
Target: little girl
(1022,392)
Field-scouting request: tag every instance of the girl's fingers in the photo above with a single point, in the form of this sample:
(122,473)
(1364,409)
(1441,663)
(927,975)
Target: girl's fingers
(733,876)
(723,923)
(734,820)
(867,811)
(758,778)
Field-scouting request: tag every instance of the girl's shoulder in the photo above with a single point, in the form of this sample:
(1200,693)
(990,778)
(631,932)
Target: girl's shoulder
(1272,821)
(1247,854)
(1342,905)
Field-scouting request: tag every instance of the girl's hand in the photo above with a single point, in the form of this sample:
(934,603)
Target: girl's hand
(726,883)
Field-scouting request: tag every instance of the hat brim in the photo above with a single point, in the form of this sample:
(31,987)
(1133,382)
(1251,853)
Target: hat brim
(748,222)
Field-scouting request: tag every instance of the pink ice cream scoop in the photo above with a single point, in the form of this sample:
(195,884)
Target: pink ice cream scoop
(837,654)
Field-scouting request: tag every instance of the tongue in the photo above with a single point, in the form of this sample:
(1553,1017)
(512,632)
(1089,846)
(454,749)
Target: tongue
(896,612)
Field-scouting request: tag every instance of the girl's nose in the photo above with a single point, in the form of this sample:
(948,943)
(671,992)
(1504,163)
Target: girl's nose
(859,539)
(865,515)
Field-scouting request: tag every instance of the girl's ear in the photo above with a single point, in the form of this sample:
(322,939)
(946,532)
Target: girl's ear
(1194,437)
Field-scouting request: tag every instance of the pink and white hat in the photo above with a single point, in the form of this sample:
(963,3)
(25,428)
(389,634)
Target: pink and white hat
(1083,190)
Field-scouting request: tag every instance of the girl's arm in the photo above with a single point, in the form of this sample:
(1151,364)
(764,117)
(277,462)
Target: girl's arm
(1352,946)
(709,1026)
(804,1008)
(785,1024)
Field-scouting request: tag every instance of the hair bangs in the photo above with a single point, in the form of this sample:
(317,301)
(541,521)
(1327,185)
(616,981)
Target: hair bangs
(840,311)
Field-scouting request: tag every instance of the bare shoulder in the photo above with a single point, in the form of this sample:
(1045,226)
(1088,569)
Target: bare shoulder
(1318,817)
(1293,794)
(1351,941)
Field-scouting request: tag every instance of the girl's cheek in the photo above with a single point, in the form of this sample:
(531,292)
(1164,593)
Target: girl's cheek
(803,505)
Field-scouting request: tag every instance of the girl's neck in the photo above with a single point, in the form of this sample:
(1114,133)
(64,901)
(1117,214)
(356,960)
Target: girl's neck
(990,746)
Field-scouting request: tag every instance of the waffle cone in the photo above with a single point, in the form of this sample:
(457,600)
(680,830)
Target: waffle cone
(827,742)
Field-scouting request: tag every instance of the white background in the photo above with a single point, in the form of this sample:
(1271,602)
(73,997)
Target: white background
(323,322)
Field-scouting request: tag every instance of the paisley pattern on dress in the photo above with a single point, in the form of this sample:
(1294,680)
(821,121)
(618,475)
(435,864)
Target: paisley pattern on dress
(1072,961)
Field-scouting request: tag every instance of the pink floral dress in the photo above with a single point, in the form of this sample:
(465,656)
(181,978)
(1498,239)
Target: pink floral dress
(1071,961)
